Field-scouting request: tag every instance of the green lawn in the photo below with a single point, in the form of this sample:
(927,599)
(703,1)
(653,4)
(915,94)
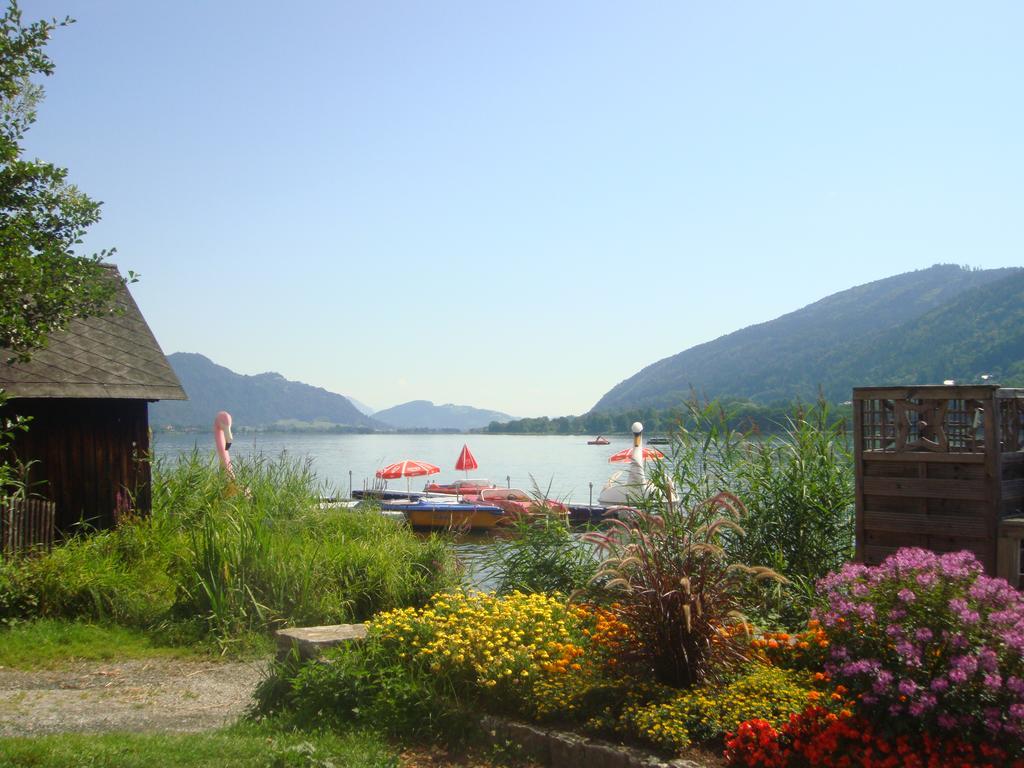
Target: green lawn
(49,643)
(241,745)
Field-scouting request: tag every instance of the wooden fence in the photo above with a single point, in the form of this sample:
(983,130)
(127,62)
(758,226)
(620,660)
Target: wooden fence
(25,524)
(940,467)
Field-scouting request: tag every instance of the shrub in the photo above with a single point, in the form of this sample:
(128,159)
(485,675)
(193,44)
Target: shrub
(930,644)
(797,492)
(818,738)
(677,590)
(541,555)
(491,648)
(709,712)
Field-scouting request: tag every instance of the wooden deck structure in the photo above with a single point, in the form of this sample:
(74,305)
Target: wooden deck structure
(940,467)
(87,445)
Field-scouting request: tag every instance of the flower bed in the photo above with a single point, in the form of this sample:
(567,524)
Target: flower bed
(917,662)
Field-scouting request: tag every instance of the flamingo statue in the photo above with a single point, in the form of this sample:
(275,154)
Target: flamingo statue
(222,440)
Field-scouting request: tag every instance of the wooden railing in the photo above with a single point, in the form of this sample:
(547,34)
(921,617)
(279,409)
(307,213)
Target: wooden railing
(25,525)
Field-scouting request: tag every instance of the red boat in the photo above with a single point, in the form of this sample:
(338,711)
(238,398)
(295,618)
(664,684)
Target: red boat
(599,440)
(469,487)
(519,503)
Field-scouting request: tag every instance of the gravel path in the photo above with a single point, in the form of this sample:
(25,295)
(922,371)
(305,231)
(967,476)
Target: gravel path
(143,695)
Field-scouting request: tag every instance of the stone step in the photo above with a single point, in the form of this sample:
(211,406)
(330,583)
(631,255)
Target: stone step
(310,642)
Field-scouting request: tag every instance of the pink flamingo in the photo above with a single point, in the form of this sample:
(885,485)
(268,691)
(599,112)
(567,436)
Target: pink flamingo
(222,440)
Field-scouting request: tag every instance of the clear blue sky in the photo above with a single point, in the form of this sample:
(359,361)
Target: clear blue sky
(517,205)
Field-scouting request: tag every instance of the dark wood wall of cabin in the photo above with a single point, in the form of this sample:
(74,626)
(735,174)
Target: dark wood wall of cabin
(91,456)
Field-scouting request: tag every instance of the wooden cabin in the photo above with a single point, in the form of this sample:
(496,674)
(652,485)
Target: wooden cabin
(941,467)
(87,446)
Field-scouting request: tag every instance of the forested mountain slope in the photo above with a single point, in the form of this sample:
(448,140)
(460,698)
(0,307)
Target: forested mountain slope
(892,330)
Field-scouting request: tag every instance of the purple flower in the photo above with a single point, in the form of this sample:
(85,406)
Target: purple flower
(923,635)
(946,721)
(988,659)
(906,595)
(940,684)
(907,687)
(993,682)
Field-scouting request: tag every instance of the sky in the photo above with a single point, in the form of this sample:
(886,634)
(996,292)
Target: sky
(517,205)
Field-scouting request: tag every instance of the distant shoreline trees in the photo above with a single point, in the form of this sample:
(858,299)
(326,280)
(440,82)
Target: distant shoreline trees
(743,415)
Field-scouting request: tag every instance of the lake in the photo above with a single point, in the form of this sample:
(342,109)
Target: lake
(564,462)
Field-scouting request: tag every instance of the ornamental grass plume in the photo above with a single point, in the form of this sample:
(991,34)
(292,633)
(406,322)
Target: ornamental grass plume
(674,586)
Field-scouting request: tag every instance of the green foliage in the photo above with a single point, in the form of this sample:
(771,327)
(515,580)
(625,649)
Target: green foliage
(796,486)
(221,559)
(366,685)
(242,746)
(43,284)
(540,555)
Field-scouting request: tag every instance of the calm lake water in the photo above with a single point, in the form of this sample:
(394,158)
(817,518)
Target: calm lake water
(566,463)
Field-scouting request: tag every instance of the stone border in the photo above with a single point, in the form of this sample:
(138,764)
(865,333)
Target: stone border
(564,749)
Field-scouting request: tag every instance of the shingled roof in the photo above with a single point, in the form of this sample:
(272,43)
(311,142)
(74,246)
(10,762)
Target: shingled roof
(115,356)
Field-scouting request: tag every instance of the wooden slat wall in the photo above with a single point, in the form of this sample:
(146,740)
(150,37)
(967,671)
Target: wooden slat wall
(943,501)
(87,451)
(25,525)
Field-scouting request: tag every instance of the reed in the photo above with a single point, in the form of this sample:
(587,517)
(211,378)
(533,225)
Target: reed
(219,558)
(796,487)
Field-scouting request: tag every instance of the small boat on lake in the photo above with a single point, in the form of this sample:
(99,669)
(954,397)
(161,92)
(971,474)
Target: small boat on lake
(599,440)
(519,503)
(432,513)
(468,487)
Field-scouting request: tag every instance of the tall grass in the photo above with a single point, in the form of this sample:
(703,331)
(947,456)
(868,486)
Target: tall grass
(797,491)
(220,557)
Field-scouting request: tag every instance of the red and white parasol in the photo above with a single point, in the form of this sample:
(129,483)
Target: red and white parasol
(407,469)
(466,460)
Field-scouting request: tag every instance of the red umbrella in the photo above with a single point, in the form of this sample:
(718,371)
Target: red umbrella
(466,460)
(407,469)
(627,453)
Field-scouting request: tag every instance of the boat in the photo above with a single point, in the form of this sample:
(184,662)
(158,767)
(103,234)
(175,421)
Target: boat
(599,440)
(449,514)
(659,441)
(624,491)
(468,487)
(519,503)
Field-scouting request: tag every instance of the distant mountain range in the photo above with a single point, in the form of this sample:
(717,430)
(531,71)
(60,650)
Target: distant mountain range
(423,414)
(262,400)
(945,322)
(269,400)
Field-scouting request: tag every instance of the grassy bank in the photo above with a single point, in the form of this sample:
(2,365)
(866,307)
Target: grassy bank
(243,745)
(221,559)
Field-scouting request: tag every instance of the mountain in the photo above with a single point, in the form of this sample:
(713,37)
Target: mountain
(363,408)
(252,401)
(919,327)
(423,414)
